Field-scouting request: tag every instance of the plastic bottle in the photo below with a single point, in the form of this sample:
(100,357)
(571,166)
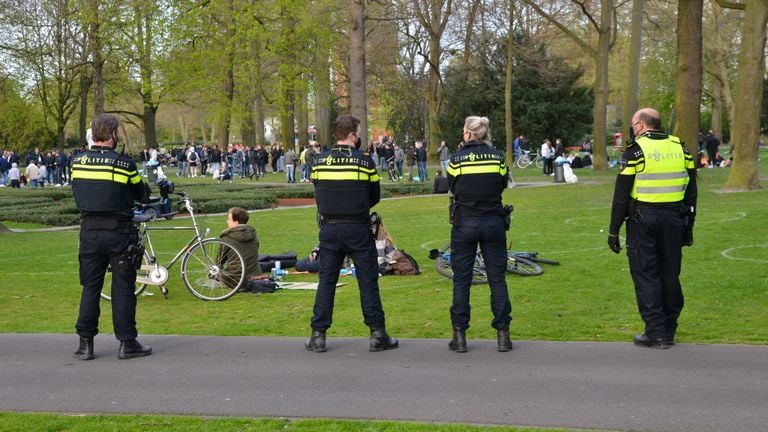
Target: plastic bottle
(277,266)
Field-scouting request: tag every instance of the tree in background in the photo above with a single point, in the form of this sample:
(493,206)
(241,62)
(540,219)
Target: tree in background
(749,95)
(689,72)
(547,100)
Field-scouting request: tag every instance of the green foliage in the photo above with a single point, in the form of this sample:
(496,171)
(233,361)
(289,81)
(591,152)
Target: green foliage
(21,122)
(547,101)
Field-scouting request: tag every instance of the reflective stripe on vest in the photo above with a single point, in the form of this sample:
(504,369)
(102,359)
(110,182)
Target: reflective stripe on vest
(663,176)
(479,167)
(344,172)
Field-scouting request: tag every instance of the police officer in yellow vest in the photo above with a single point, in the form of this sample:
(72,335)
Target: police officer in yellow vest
(105,185)
(656,194)
(346,187)
(477,177)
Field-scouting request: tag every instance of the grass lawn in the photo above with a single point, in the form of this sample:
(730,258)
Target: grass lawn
(13,422)
(589,297)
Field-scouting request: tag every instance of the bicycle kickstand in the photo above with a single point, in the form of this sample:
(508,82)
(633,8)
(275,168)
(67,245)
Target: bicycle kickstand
(164,290)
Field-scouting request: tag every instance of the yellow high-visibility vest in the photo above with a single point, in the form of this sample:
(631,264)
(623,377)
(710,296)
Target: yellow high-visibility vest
(661,175)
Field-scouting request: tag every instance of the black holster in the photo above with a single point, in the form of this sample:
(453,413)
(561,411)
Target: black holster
(131,258)
(506,212)
(453,212)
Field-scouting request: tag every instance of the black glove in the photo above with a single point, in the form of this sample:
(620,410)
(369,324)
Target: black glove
(688,237)
(614,244)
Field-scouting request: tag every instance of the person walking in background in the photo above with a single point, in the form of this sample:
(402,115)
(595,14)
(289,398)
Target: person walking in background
(477,177)
(410,160)
(657,197)
(346,187)
(105,185)
(421,160)
(399,157)
(548,156)
(14,175)
(33,173)
(444,154)
(290,165)
(713,146)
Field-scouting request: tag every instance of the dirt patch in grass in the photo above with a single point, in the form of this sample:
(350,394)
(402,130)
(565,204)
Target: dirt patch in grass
(295,202)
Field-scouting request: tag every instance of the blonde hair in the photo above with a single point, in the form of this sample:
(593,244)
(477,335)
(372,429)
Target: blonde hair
(478,127)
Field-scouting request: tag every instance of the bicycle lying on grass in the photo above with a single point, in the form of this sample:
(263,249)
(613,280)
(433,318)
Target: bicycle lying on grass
(211,269)
(519,263)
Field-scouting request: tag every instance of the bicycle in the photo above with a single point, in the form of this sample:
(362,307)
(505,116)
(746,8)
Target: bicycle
(525,160)
(211,269)
(518,265)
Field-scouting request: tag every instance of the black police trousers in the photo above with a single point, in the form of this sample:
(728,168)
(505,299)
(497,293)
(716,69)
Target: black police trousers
(99,249)
(338,240)
(654,249)
(489,233)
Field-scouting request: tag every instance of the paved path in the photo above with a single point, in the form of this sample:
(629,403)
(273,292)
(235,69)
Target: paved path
(550,384)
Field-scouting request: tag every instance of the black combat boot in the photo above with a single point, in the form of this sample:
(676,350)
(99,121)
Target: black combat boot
(459,341)
(316,342)
(644,341)
(502,336)
(132,348)
(380,340)
(85,350)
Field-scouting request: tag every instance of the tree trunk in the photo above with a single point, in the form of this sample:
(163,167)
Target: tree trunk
(150,129)
(435,89)
(689,72)
(97,58)
(508,74)
(357,85)
(633,68)
(717,111)
(228,94)
(323,98)
(287,120)
(258,112)
(720,69)
(599,109)
(85,86)
(247,126)
(302,116)
(745,133)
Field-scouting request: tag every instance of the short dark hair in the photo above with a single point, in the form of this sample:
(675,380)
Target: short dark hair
(239,215)
(103,127)
(345,125)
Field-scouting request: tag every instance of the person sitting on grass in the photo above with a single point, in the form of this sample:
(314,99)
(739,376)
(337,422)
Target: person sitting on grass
(244,239)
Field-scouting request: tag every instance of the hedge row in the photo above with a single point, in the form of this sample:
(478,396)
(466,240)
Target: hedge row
(57,206)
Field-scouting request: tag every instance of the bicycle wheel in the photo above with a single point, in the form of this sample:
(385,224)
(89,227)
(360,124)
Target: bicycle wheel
(523,267)
(106,290)
(443,266)
(522,162)
(213,270)
(536,259)
(539,163)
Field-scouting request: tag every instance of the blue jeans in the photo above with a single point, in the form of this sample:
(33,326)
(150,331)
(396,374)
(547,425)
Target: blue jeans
(289,173)
(423,174)
(444,167)
(487,232)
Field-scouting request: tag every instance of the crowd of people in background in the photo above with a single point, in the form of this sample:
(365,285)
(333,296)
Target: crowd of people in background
(52,168)
(35,168)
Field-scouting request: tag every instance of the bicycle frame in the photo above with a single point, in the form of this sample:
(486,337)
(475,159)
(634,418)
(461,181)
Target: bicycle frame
(157,274)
